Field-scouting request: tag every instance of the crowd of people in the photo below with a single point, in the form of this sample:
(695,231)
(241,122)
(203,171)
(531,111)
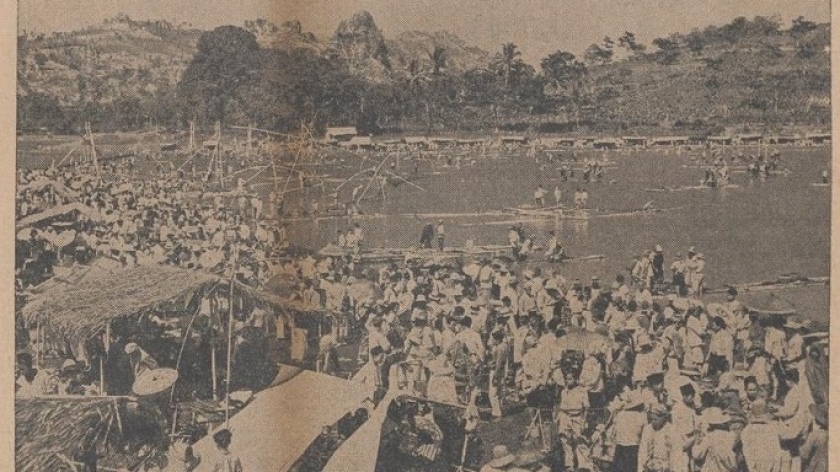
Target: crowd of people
(639,374)
(126,221)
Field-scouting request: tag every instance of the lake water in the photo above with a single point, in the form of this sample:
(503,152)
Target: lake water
(751,233)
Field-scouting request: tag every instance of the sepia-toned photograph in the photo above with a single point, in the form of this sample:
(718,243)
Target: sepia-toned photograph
(408,236)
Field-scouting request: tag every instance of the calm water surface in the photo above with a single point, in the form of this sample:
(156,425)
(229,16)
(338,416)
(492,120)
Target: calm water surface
(751,233)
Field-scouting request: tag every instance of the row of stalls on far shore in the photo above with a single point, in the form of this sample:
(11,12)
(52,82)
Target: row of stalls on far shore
(349,137)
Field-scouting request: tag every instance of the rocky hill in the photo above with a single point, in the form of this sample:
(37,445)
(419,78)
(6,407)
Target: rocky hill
(418,46)
(118,58)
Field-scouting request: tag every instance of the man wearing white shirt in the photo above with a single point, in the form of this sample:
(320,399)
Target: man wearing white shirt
(470,338)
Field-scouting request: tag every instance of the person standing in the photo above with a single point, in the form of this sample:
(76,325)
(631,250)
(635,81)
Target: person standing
(440,231)
(695,264)
(684,421)
(716,448)
(629,421)
(658,265)
(500,353)
(557,194)
(225,461)
(426,236)
(678,277)
(539,196)
(571,418)
(656,447)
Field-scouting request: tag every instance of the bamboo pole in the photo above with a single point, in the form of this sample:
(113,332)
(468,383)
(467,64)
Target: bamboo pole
(374,177)
(229,352)
(65,157)
(213,367)
(106,343)
(39,338)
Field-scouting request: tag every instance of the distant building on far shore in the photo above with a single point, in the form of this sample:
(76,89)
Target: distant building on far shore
(339,134)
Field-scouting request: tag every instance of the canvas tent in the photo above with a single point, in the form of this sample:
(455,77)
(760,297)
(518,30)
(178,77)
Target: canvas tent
(275,429)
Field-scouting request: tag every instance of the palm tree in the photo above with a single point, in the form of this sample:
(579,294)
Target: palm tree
(438,58)
(510,55)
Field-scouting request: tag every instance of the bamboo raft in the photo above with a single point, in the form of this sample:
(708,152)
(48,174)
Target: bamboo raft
(586,214)
(432,255)
(782,282)
(691,187)
(382,254)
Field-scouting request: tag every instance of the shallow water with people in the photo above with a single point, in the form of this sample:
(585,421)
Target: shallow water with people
(755,232)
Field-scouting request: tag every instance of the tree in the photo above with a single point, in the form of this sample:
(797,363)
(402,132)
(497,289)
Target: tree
(596,54)
(510,61)
(669,50)
(695,42)
(628,42)
(567,73)
(800,26)
(562,68)
(228,60)
(438,58)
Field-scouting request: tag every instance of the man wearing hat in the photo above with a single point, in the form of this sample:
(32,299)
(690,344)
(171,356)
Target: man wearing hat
(140,359)
(629,420)
(649,358)
(656,447)
(502,460)
(795,349)
(716,447)
(760,440)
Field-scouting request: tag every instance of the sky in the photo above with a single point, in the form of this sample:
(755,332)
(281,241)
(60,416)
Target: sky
(538,27)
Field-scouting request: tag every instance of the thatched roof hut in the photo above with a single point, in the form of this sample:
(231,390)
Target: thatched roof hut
(80,311)
(51,431)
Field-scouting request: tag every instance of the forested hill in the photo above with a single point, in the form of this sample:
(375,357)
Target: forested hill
(126,74)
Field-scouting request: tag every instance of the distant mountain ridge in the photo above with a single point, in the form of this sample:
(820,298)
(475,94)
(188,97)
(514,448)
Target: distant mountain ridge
(752,72)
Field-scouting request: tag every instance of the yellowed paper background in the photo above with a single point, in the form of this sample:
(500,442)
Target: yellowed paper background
(8,36)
